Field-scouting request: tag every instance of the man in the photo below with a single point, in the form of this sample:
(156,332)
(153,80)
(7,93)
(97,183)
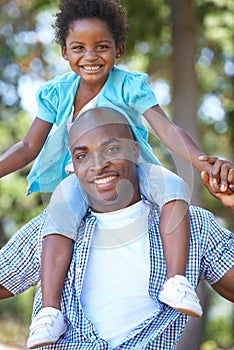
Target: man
(110,297)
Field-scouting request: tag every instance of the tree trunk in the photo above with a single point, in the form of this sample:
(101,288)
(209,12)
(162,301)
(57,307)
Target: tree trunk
(185,84)
(3,238)
(184,115)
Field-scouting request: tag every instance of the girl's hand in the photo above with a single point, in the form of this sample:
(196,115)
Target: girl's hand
(227,198)
(221,175)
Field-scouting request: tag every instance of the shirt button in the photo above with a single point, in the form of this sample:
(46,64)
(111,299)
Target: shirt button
(79,270)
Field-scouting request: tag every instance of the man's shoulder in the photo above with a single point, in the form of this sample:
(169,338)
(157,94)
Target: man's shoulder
(199,217)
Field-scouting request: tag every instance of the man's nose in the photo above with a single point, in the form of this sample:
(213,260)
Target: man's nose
(99,162)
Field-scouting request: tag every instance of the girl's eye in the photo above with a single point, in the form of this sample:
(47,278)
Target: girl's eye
(78,48)
(102,47)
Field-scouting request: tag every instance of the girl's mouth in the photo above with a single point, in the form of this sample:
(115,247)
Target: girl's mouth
(88,68)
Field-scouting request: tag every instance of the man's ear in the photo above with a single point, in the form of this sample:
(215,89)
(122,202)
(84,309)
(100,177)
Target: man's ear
(119,51)
(64,52)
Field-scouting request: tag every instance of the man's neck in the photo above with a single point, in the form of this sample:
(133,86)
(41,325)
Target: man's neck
(111,207)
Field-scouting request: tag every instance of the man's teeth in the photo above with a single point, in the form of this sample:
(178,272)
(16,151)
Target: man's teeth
(104,180)
(91,68)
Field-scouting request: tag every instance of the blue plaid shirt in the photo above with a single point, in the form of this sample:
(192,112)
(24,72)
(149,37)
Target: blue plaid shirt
(211,255)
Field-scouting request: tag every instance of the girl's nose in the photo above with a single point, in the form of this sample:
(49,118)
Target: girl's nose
(90,55)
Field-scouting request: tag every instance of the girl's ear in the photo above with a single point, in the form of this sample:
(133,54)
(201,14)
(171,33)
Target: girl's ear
(119,51)
(64,53)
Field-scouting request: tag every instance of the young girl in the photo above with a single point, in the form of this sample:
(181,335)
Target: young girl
(92,35)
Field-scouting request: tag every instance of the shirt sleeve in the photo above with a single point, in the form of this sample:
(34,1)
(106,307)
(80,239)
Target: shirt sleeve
(137,92)
(20,258)
(219,253)
(47,99)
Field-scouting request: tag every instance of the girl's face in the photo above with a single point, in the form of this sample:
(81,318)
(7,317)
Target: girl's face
(90,50)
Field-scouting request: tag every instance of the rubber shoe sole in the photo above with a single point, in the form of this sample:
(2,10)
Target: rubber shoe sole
(46,328)
(178,293)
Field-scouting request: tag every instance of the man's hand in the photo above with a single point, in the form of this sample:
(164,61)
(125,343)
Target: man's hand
(221,173)
(220,180)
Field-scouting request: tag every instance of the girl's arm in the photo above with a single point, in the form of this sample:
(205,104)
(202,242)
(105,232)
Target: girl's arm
(175,139)
(25,151)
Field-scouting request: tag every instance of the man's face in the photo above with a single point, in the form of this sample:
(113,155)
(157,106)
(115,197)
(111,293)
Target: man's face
(104,158)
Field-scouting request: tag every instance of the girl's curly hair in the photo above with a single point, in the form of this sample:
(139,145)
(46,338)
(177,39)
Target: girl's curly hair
(110,11)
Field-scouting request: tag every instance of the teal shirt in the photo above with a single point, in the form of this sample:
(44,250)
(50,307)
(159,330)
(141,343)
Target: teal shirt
(125,91)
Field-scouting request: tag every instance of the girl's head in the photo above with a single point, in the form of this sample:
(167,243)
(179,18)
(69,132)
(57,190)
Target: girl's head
(92,35)
(109,11)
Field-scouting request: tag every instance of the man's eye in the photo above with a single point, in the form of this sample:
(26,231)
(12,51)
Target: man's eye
(113,149)
(81,157)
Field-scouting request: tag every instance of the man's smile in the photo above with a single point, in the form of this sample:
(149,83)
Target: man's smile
(104,180)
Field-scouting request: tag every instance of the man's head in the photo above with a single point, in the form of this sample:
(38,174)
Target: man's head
(104,155)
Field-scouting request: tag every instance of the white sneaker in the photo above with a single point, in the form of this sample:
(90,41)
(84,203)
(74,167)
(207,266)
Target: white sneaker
(46,328)
(178,293)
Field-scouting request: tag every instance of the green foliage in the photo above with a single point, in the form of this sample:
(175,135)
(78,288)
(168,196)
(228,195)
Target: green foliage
(219,326)
(217,24)
(15,316)
(220,331)
(15,208)
(148,46)
(22,309)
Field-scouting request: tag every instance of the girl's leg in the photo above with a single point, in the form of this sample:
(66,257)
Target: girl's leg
(162,187)
(66,209)
(48,325)
(56,257)
(68,205)
(175,233)
(64,214)
(174,227)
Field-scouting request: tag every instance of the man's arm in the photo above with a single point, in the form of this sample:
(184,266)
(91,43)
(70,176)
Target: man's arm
(4,293)
(222,175)
(217,247)
(225,286)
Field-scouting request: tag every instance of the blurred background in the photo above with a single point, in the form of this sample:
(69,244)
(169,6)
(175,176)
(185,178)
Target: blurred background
(186,47)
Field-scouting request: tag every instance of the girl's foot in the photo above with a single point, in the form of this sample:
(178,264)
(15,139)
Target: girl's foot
(178,293)
(46,328)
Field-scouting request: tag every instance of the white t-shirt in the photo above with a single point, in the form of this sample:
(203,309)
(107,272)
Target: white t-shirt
(69,168)
(115,290)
